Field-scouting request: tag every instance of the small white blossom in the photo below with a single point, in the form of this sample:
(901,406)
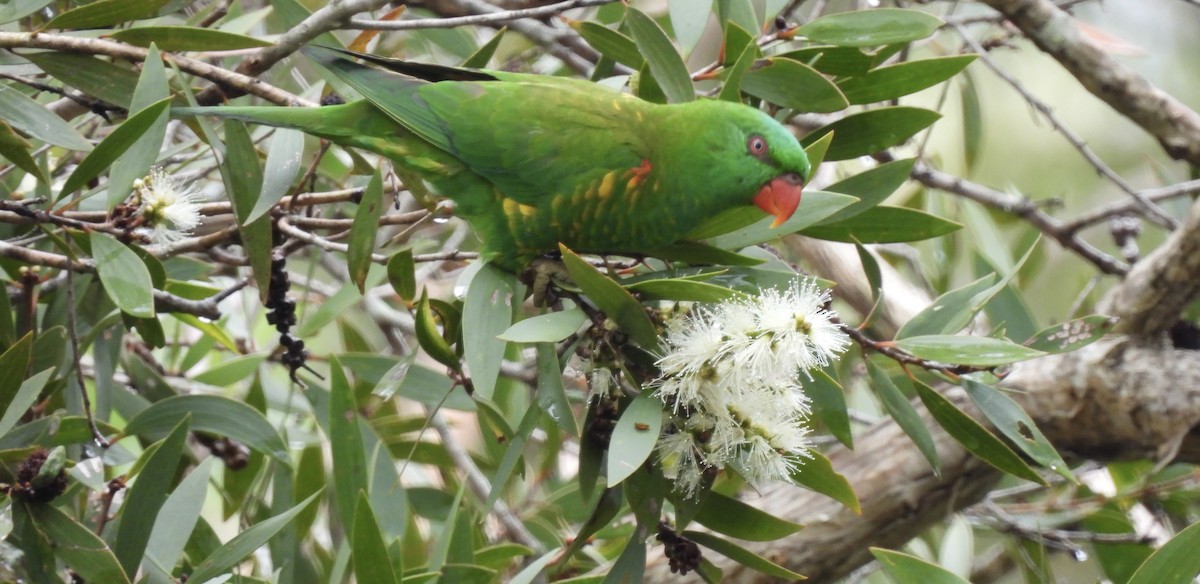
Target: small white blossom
(731,375)
(168,212)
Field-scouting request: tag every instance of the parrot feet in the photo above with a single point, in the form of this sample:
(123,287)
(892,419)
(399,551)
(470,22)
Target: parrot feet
(540,275)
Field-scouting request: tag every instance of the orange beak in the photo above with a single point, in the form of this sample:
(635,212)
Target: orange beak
(780,197)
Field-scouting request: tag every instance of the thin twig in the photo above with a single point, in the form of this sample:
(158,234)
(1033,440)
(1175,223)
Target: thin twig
(1150,209)
(488,18)
(73,333)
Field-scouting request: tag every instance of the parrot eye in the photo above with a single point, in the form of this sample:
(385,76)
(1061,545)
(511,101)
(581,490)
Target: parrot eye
(756,145)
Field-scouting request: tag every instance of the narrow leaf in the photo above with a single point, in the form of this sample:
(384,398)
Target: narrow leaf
(817,475)
(371,562)
(734,518)
(77,546)
(884,224)
(135,163)
(665,63)
(1012,421)
(1071,335)
(904,413)
(741,555)
(967,350)
(488,308)
(973,436)
(634,437)
(869,132)
(285,149)
(829,405)
(871,187)
(31,117)
(211,413)
(1176,562)
(546,328)
(106,13)
(125,278)
(615,301)
(146,497)
(246,542)
(902,79)
(551,394)
(401,274)
(905,568)
(794,85)
(350,474)
(949,313)
(864,28)
(187,38)
(363,231)
(114,145)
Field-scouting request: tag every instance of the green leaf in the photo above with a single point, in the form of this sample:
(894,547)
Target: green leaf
(333,307)
(246,542)
(231,371)
(16,150)
(869,132)
(904,413)
(38,122)
(77,546)
(884,224)
(630,566)
(966,350)
(187,38)
(285,149)
(15,406)
(135,163)
(792,84)
(349,457)
(697,253)
(741,555)
(871,187)
(815,207)
(949,313)
(531,570)
(488,311)
(430,338)
(14,364)
(682,291)
(18,9)
(665,63)
(177,518)
(906,569)
(211,413)
(1071,335)
(106,13)
(816,151)
(634,437)
(146,497)
(363,231)
(243,181)
(1012,421)
(371,562)
(732,90)
(103,79)
(546,328)
(734,518)
(610,43)
(689,18)
(482,55)
(125,278)
(973,436)
(882,26)
(902,79)
(818,475)
(402,274)
(834,60)
(829,405)
(514,451)
(114,145)
(551,394)
(615,301)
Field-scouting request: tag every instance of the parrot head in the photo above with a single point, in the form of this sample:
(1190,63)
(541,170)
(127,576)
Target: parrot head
(743,156)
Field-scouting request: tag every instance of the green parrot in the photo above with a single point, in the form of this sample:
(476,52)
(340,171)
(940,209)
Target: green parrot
(531,160)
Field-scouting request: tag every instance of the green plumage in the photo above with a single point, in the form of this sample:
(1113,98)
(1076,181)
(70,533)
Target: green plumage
(531,160)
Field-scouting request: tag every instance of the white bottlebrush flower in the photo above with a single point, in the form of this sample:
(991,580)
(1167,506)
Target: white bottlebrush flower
(731,375)
(168,212)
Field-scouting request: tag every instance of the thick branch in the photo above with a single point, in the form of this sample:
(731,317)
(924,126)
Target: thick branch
(1176,126)
(1159,287)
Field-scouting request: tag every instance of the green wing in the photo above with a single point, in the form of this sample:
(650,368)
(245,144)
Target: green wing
(534,137)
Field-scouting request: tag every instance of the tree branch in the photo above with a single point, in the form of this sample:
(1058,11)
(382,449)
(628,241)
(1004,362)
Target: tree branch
(1176,126)
(1160,287)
